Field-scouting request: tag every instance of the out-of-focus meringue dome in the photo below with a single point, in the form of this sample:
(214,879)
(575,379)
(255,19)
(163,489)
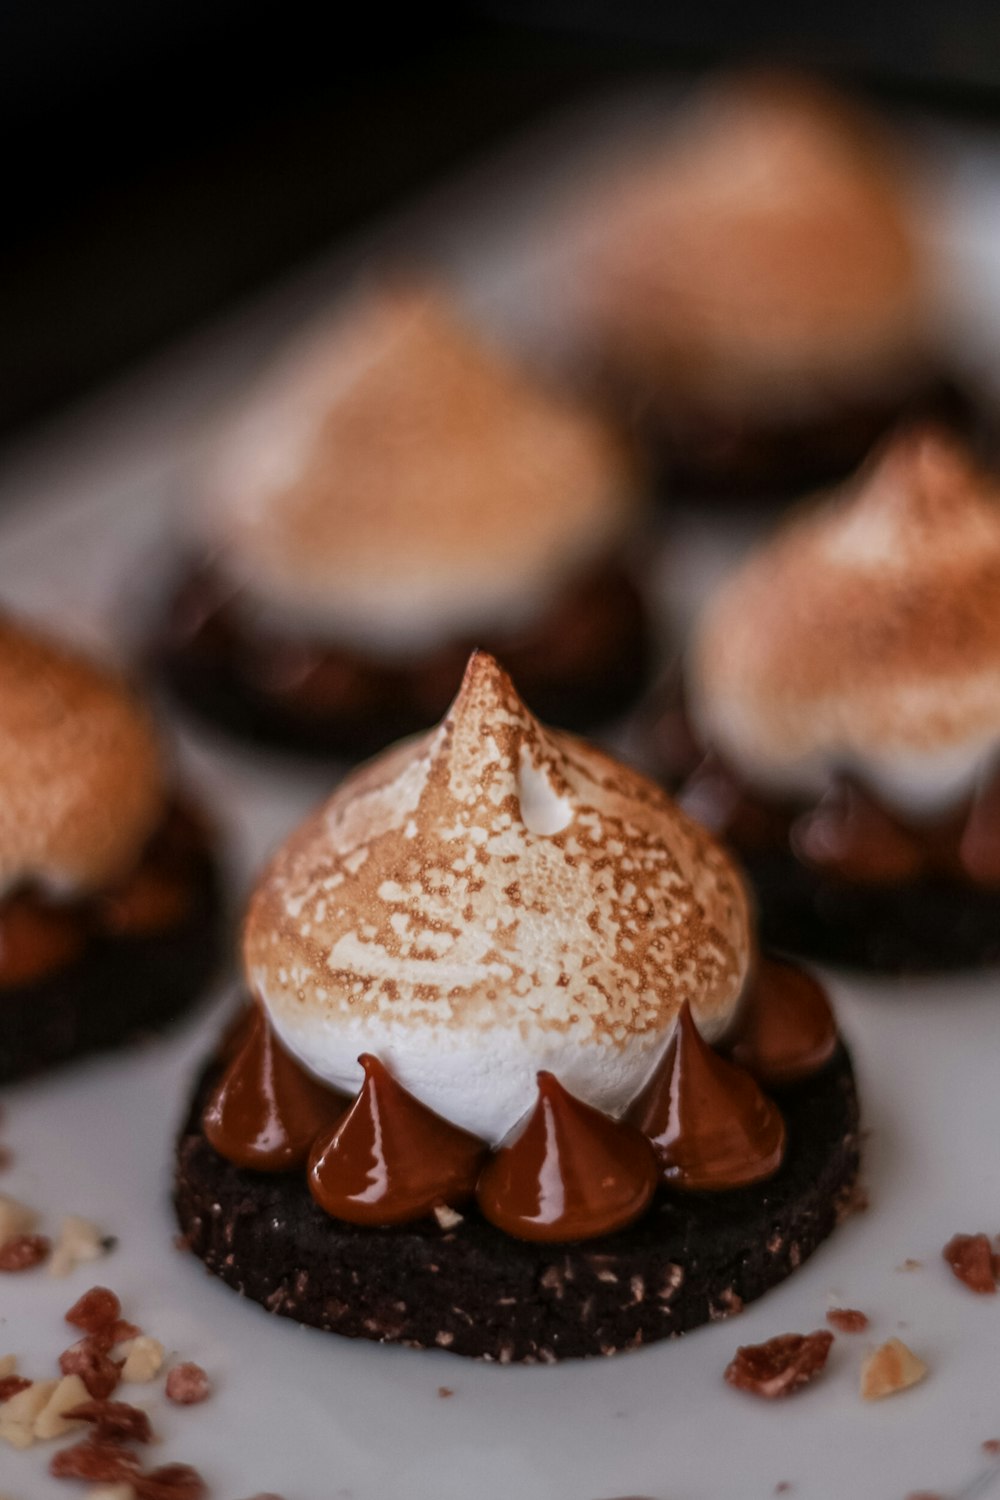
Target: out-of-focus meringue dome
(763,255)
(866,634)
(396,481)
(80,778)
(490,899)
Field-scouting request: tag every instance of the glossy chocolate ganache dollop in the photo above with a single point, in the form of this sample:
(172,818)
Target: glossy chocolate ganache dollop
(520,933)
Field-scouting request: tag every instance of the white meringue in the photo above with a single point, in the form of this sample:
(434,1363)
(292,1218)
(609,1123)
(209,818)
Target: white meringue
(865,636)
(396,482)
(760,257)
(492,899)
(81,785)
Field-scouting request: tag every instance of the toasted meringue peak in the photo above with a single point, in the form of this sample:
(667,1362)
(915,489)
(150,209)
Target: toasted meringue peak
(80,777)
(865,636)
(397,481)
(490,899)
(763,254)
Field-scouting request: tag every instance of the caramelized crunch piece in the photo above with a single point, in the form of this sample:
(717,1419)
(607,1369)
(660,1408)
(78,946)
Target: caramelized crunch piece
(105,1463)
(99,1373)
(114,1421)
(95,1310)
(171,1482)
(24,1251)
(781,1365)
(847,1319)
(971,1259)
(187,1385)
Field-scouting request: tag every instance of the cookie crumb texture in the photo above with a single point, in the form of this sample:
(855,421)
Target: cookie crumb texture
(475,1291)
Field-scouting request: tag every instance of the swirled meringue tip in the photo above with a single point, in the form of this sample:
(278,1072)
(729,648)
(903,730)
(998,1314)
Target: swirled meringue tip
(397,481)
(492,899)
(865,635)
(81,785)
(764,251)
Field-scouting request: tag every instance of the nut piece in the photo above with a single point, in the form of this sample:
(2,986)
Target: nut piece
(8,1365)
(23,1252)
(890,1368)
(15,1218)
(111,1492)
(781,1365)
(143,1359)
(187,1385)
(971,1259)
(52,1421)
(847,1319)
(17,1417)
(79,1241)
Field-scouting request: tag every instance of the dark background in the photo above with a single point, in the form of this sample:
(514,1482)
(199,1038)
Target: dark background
(166,158)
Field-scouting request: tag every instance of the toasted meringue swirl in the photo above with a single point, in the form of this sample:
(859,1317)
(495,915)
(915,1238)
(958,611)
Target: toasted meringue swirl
(865,636)
(396,482)
(80,777)
(489,900)
(762,256)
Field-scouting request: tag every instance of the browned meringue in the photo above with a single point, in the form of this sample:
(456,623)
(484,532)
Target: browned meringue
(492,899)
(80,778)
(865,635)
(762,256)
(396,481)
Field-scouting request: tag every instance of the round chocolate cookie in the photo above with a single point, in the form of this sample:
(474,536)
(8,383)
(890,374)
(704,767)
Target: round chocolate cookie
(925,926)
(122,986)
(470,1288)
(584,662)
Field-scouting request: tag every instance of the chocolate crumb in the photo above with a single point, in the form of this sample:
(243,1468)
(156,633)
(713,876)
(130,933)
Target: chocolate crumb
(444,1391)
(992,1447)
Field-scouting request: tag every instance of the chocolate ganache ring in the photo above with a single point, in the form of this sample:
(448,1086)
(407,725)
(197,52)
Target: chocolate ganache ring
(109,898)
(396,492)
(513,1083)
(839,722)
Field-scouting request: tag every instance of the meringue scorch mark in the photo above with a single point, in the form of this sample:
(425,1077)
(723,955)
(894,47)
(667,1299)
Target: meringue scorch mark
(491,900)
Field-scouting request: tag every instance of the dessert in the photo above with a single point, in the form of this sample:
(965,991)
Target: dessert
(395,492)
(841,722)
(109,911)
(504,969)
(754,288)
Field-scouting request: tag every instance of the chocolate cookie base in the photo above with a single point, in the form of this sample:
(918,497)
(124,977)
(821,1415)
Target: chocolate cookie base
(477,1292)
(121,989)
(704,457)
(927,926)
(582,665)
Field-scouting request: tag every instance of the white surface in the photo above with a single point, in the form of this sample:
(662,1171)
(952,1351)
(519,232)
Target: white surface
(316,1418)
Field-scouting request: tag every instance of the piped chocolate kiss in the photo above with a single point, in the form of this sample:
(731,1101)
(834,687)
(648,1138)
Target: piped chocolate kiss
(709,1122)
(391,1159)
(568,1172)
(267,1111)
(785,1029)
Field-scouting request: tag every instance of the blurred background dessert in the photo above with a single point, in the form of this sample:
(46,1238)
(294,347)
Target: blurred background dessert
(109,907)
(842,715)
(755,288)
(394,492)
